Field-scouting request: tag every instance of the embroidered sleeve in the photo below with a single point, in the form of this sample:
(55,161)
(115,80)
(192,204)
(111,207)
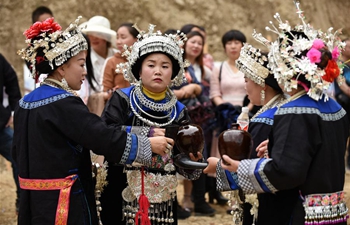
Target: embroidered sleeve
(225,180)
(125,128)
(190,174)
(251,177)
(144,151)
(139,130)
(126,159)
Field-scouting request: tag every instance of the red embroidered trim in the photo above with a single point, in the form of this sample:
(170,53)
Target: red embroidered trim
(64,185)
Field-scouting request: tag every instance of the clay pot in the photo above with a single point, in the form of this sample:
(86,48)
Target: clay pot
(237,144)
(190,139)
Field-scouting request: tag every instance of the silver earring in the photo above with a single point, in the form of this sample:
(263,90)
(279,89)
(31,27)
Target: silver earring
(262,97)
(140,81)
(64,83)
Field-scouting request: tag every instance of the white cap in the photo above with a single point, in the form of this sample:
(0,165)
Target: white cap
(100,27)
(245,109)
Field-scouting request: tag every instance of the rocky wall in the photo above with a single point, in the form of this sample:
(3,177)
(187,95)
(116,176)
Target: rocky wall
(217,16)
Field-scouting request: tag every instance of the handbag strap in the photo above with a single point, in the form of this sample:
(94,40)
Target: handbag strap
(220,72)
(220,77)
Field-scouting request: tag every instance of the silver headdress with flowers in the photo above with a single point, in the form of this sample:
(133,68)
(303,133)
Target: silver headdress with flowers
(288,61)
(251,63)
(149,42)
(49,47)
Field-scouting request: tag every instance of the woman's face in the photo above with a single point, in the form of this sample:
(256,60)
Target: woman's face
(194,46)
(156,72)
(74,70)
(253,91)
(96,42)
(124,38)
(233,49)
(44,16)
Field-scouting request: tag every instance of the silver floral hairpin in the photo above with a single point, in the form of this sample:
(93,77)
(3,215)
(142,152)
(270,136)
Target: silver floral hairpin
(286,59)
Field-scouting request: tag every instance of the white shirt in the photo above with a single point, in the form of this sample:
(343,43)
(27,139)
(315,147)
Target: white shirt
(198,72)
(98,63)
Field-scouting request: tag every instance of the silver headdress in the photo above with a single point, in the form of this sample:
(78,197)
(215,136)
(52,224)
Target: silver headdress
(253,64)
(299,51)
(149,42)
(49,47)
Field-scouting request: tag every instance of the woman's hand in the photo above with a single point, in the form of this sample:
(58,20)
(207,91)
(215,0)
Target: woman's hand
(161,145)
(108,94)
(188,91)
(233,164)
(197,89)
(191,90)
(218,100)
(157,132)
(262,150)
(193,158)
(212,162)
(180,94)
(9,122)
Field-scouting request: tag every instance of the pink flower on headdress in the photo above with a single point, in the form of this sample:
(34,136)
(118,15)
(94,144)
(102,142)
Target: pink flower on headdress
(318,44)
(41,27)
(314,55)
(335,53)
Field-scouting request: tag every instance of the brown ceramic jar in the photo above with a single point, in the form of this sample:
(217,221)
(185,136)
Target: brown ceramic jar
(237,144)
(190,139)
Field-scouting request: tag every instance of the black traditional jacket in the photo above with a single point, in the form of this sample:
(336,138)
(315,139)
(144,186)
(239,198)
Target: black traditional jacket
(54,133)
(306,148)
(119,113)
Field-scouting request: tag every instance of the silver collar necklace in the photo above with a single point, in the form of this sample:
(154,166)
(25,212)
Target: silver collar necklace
(147,121)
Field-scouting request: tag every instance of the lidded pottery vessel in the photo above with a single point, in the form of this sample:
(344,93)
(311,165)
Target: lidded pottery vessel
(190,139)
(235,143)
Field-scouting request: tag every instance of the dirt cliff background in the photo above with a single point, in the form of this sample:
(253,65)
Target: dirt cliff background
(217,16)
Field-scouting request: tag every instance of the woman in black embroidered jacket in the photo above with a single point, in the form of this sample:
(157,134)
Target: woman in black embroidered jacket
(54,131)
(309,134)
(149,107)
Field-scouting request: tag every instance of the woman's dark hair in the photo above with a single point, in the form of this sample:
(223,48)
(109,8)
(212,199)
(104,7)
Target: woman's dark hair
(89,68)
(199,59)
(136,68)
(40,11)
(170,31)
(233,35)
(270,79)
(188,28)
(130,28)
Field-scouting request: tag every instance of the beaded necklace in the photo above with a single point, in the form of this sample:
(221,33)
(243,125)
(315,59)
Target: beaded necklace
(57,84)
